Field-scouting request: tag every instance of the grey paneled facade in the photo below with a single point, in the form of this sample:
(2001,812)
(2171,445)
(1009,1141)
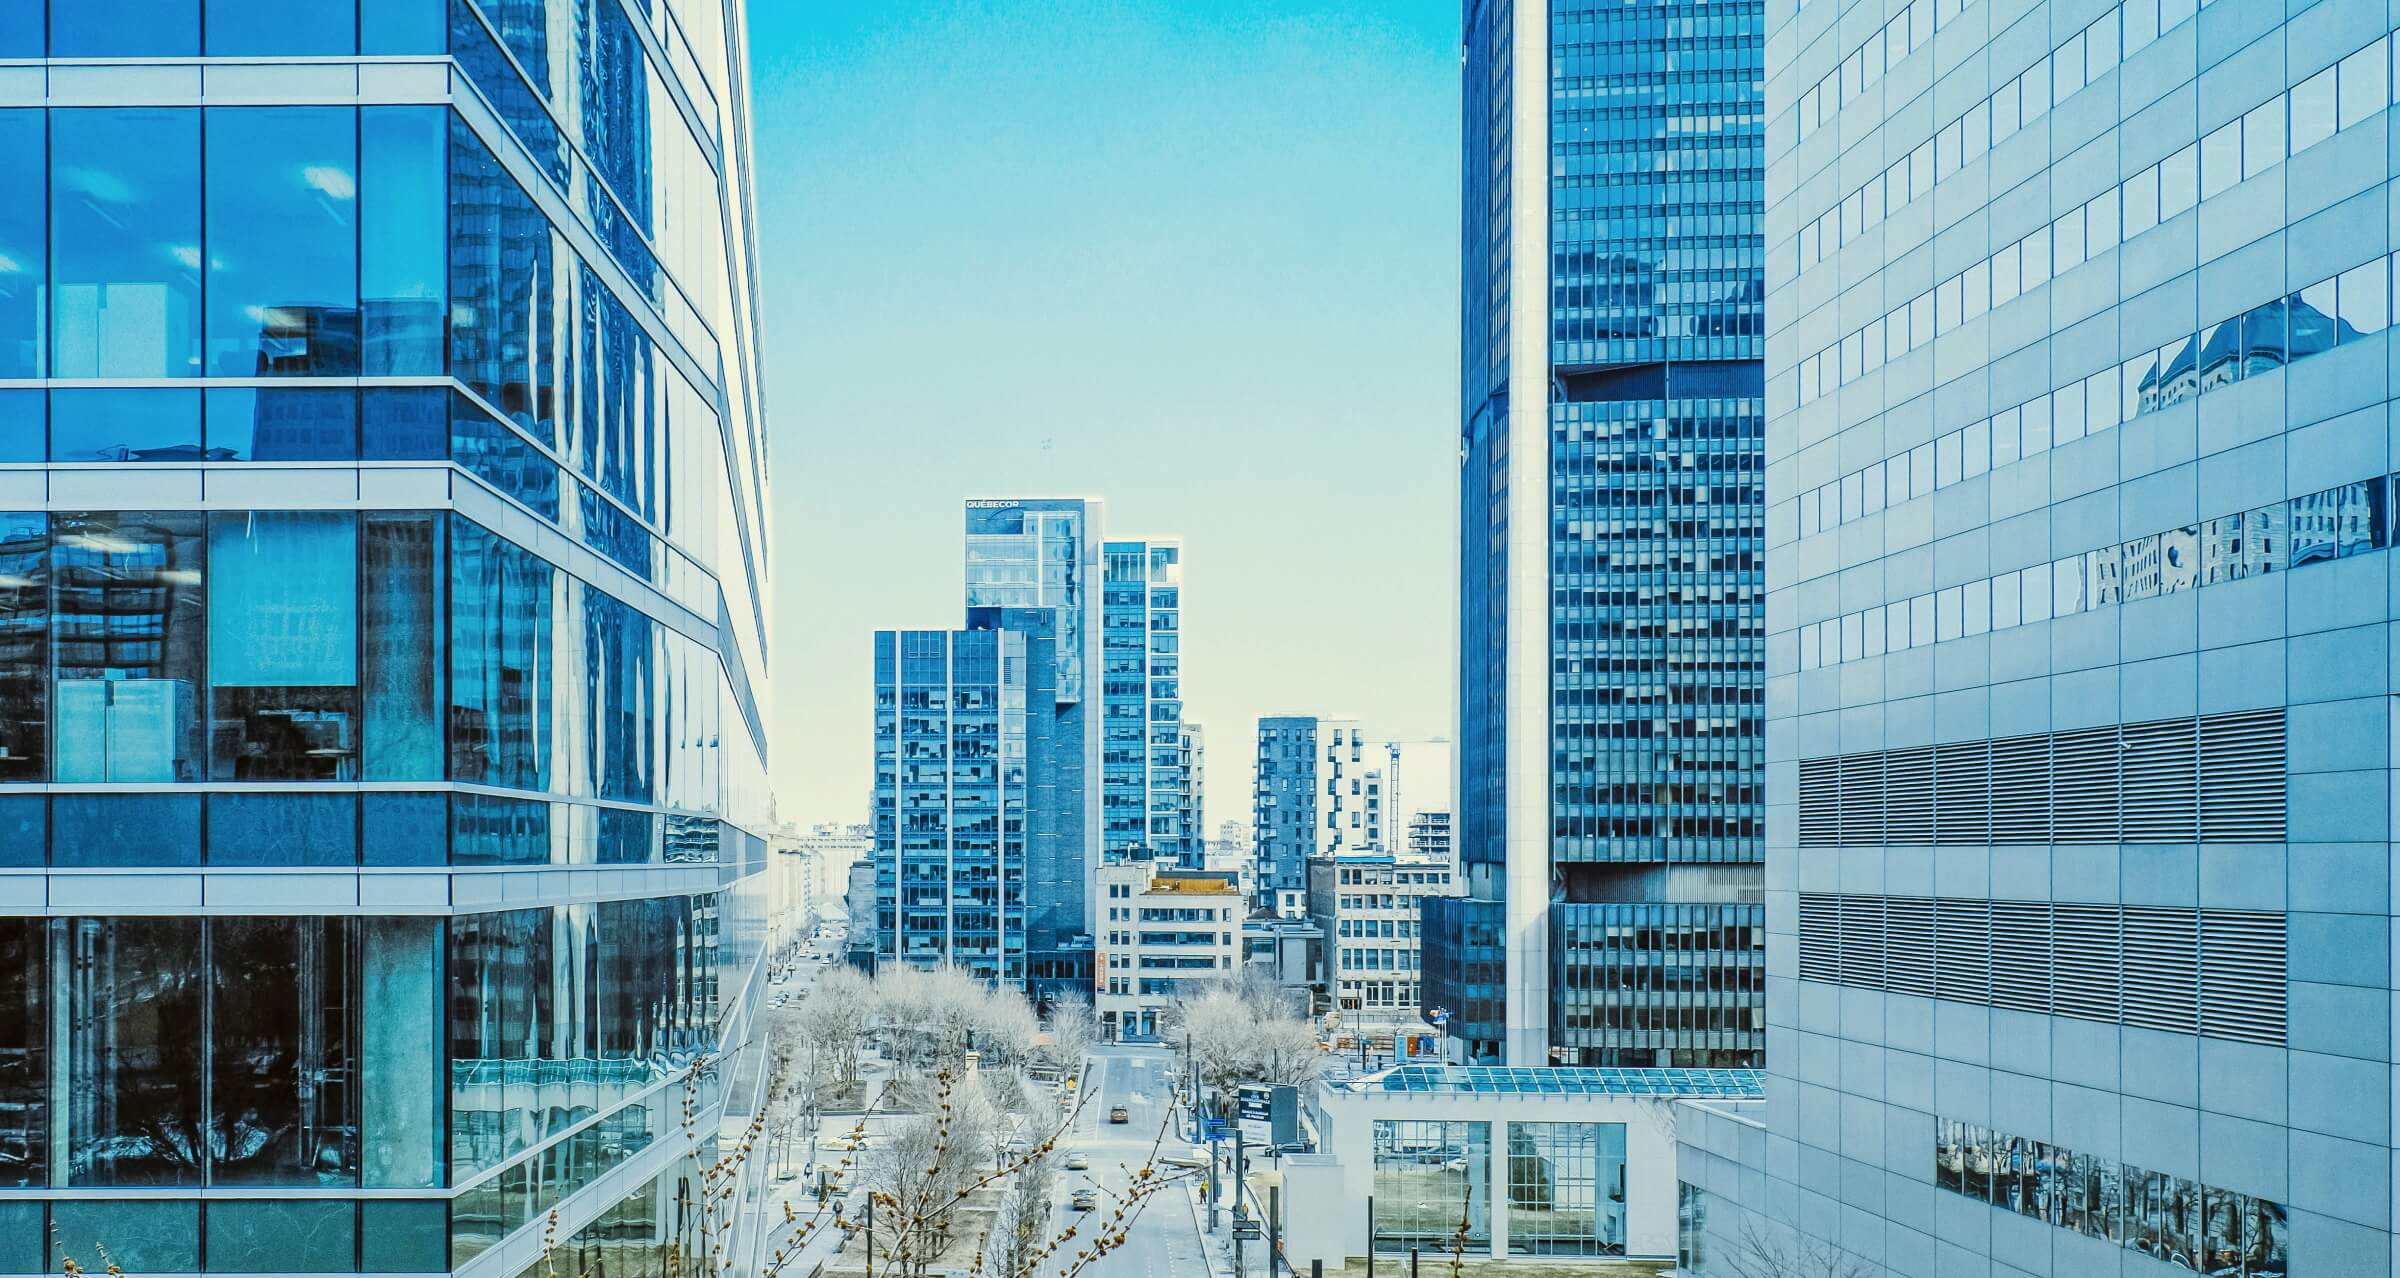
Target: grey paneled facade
(2079,658)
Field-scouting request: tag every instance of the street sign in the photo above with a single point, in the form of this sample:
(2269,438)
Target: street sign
(1245,1231)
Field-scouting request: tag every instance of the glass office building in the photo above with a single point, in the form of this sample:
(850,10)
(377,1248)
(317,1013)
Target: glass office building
(1031,566)
(1611,713)
(1145,792)
(2079,452)
(383,630)
(951,771)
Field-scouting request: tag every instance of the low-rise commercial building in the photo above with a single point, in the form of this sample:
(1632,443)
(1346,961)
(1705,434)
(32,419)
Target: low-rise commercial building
(1569,1162)
(1368,907)
(1163,932)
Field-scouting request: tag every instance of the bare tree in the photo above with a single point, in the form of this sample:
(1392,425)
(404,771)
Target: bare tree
(833,1021)
(1789,1254)
(1238,1037)
(1023,1225)
(1072,1029)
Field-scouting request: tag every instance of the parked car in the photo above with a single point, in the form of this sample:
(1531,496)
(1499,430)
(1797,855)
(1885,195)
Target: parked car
(1117,1114)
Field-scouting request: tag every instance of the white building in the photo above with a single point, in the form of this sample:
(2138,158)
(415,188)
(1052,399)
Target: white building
(1367,905)
(1579,1162)
(1162,931)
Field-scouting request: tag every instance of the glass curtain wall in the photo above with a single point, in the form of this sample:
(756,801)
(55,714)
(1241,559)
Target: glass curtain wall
(1431,1179)
(1566,1189)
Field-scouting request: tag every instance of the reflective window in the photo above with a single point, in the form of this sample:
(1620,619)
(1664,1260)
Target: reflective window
(123,423)
(283,1078)
(143,1236)
(1566,1189)
(400,607)
(502,283)
(119,830)
(1432,1177)
(403,238)
(401,423)
(283,633)
(281,1235)
(125,238)
(24,232)
(246,27)
(134,1116)
(401,1065)
(282,829)
(282,241)
(24,648)
(500,660)
(24,1048)
(250,423)
(24,426)
(2312,110)
(124,29)
(126,645)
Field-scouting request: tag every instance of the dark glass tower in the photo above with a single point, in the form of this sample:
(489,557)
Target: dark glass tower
(1611,607)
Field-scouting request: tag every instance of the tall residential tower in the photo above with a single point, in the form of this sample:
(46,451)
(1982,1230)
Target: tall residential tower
(1611,716)
(384,632)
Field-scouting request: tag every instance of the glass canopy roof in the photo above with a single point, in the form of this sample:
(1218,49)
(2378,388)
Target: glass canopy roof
(1697,1084)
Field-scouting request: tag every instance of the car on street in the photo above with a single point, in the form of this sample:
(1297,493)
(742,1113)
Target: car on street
(1082,1201)
(1117,1114)
(1077,1162)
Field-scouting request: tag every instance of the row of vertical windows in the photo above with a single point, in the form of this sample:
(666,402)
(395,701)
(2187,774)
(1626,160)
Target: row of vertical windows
(2084,57)
(177,646)
(2215,973)
(2174,1219)
(2216,778)
(2241,149)
(2341,522)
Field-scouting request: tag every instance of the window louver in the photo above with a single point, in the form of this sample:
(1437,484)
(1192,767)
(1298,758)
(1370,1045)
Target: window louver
(2021,790)
(2021,959)
(2221,973)
(2219,778)
(1908,949)
(2242,777)
(2162,969)
(1861,962)
(2161,782)
(2083,771)
(1862,808)
(1962,938)
(2087,951)
(1820,938)
(1820,802)
(2242,975)
(1962,792)
(1908,796)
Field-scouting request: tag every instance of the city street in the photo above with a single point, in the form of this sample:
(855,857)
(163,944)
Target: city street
(1164,1241)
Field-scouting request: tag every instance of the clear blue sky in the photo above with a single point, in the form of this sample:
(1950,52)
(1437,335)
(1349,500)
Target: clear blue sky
(1208,250)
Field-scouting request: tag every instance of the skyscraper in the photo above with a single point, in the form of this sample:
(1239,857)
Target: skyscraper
(384,631)
(1611,611)
(1145,798)
(2080,845)
(951,797)
(1032,565)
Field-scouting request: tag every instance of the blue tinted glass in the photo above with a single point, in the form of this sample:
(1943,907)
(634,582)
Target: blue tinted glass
(125,829)
(24,230)
(21,426)
(21,1234)
(24,834)
(265,1235)
(282,241)
(403,239)
(502,458)
(283,829)
(248,423)
(20,28)
(125,240)
(404,423)
(239,27)
(124,28)
(138,424)
(283,645)
(400,606)
(503,277)
(404,1237)
(404,829)
(487,830)
(400,26)
(126,645)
